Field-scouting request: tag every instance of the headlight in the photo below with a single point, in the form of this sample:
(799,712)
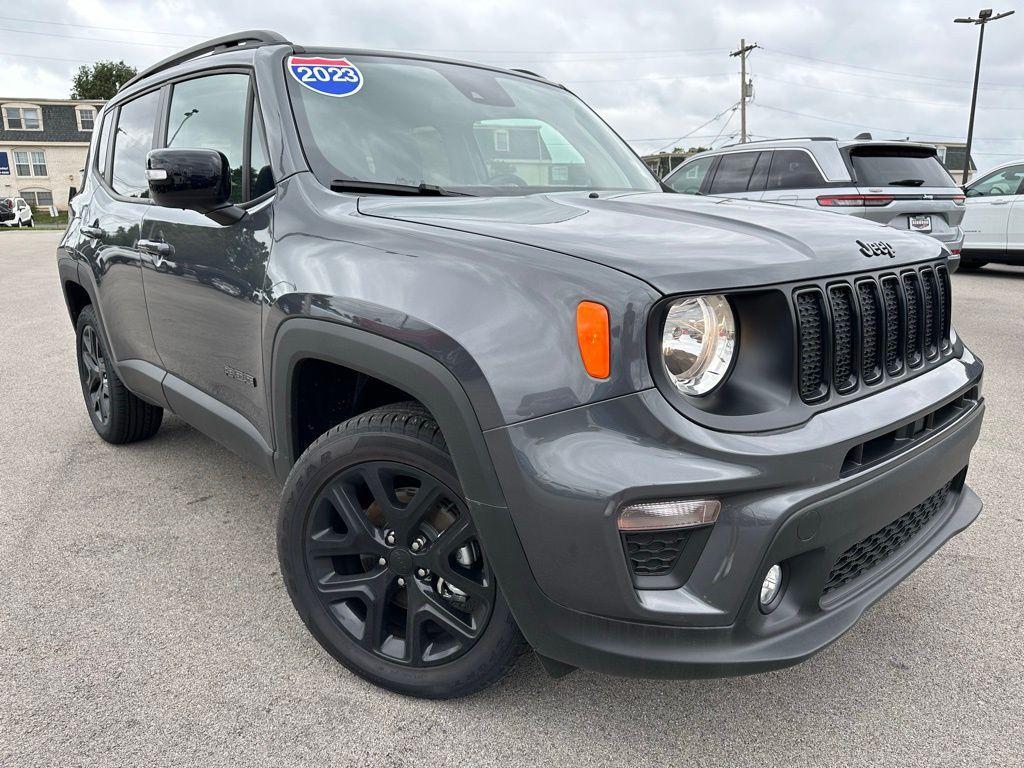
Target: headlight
(698,343)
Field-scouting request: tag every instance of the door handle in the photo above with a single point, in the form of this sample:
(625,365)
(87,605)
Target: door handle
(999,202)
(94,233)
(155,247)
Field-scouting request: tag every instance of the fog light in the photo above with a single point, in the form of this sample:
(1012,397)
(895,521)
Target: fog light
(659,515)
(771,588)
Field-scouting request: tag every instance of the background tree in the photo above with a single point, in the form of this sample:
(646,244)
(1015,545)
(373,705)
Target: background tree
(101,80)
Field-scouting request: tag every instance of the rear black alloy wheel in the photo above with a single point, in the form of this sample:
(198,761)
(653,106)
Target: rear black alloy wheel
(117,415)
(95,383)
(384,564)
(393,554)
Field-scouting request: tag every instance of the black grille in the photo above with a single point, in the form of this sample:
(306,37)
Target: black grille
(655,553)
(945,296)
(812,319)
(872,326)
(879,325)
(843,338)
(866,554)
(912,300)
(894,323)
(932,313)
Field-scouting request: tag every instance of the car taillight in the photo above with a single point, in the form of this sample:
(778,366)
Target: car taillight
(854,201)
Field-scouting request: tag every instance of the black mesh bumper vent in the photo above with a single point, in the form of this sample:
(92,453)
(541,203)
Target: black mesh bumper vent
(879,546)
(655,553)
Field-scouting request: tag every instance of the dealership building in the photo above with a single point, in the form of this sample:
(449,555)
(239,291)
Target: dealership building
(43,146)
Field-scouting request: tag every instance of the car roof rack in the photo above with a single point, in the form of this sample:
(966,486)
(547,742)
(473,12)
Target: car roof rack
(528,72)
(251,38)
(790,138)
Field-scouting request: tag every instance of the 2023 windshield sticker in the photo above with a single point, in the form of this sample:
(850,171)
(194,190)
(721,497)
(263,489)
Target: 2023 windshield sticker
(328,76)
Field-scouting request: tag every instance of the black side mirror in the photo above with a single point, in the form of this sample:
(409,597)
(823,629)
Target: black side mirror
(193,179)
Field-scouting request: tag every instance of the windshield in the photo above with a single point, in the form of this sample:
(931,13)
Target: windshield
(464,129)
(6,203)
(899,166)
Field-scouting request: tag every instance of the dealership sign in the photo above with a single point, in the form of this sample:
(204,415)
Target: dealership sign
(5,166)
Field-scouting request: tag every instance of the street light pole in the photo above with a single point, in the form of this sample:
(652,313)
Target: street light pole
(984,17)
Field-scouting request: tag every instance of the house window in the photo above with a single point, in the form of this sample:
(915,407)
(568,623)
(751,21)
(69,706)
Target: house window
(86,118)
(30,163)
(38,164)
(22,119)
(501,140)
(37,199)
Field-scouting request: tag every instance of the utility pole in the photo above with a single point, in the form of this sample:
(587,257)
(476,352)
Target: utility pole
(744,85)
(984,17)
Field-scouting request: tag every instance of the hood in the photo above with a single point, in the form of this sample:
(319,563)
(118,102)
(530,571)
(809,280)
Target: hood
(673,242)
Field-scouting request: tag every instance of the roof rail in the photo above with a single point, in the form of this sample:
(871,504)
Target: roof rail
(528,72)
(216,45)
(787,138)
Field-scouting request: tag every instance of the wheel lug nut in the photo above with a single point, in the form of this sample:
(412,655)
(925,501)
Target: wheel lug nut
(401,582)
(422,573)
(382,561)
(390,538)
(419,544)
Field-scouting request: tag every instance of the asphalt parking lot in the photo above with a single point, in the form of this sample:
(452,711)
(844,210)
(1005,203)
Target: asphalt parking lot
(143,621)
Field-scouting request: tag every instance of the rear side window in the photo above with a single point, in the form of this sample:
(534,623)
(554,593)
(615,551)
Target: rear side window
(134,139)
(793,169)
(898,167)
(759,177)
(733,173)
(689,178)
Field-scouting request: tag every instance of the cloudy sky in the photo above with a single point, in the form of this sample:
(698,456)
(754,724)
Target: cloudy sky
(657,70)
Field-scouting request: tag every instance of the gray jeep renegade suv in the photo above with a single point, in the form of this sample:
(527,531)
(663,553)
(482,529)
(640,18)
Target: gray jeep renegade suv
(518,394)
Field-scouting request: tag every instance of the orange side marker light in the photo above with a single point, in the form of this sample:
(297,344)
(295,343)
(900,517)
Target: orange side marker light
(594,336)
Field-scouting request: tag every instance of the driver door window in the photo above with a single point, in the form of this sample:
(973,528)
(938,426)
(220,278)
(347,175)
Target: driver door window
(1005,182)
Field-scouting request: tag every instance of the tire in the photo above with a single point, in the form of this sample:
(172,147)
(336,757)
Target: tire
(971,265)
(361,594)
(117,415)
(31,223)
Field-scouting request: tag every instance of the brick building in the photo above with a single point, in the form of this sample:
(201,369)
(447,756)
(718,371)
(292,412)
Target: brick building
(43,146)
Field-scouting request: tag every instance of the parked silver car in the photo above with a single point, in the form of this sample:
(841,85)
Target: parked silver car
(901,184)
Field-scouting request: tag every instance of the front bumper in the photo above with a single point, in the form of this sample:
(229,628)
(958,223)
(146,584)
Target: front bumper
(786,497)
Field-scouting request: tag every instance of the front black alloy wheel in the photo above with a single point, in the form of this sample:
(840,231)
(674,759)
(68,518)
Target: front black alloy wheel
(393,555)
(384,564)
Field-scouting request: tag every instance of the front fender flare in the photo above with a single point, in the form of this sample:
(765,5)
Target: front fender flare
(420,375)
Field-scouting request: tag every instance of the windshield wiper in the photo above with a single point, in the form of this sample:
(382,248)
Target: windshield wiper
(381,188)
(906,183)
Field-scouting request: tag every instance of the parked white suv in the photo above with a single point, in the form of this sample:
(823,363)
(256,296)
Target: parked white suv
(994,222)
(901,184)
(15,212)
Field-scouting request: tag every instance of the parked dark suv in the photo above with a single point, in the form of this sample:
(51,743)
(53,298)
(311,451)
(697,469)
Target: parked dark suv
(519,395)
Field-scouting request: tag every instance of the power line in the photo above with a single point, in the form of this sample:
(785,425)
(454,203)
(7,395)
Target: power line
(89,39)
(107,29)
(876,127)
(913,75)
(862,94)
(688,135)
(44,58)
(652,79)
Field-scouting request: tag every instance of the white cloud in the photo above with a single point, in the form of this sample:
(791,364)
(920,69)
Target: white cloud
(619,56)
